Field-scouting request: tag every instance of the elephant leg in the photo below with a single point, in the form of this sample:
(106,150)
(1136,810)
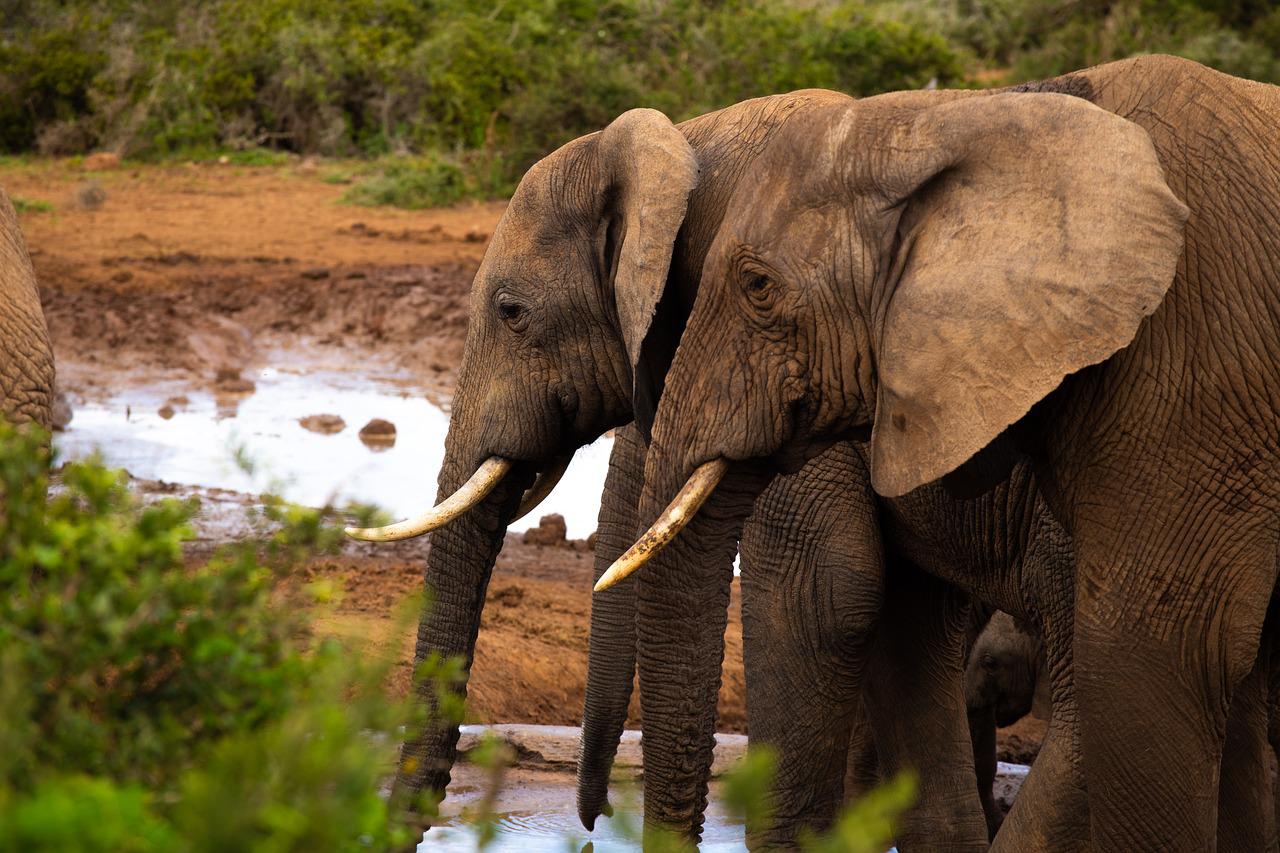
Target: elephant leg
(812,578)
(1051,812)
(862,765)
(1169,613)
(1273,715)
(914,692)
(982,731)
(1246,808)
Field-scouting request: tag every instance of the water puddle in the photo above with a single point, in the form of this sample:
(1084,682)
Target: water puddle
(197,444)
(536,833)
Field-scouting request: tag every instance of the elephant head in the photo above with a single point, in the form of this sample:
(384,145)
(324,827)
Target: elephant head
(1005,671)
(26,357)
(575,311)
(921,268)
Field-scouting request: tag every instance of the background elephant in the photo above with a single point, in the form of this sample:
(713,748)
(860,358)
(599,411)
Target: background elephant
(1005,678)
(977,276)
(26,357)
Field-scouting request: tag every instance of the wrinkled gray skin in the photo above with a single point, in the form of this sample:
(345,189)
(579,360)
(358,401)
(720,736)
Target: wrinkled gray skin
(1004,673)
(980,276)
(572,293)
(26,358)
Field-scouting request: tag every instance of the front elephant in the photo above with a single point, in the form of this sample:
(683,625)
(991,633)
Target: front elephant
(26,357)
(575,312)
(976,275)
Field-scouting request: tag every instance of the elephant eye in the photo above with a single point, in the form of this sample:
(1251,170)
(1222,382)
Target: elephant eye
(988,663)
(513,314)
(759,288)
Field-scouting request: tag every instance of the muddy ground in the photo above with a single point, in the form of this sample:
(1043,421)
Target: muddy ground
(191,272)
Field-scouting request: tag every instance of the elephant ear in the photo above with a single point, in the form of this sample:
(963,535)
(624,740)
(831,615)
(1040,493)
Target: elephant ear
(1034,233)
(651,171)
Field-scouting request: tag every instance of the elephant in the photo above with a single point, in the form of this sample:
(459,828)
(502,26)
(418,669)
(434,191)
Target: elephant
(26,356)
(1078,275)
(1005,679)
(595,262)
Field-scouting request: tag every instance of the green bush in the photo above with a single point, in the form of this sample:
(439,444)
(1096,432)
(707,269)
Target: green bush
(149,704)
(31,205)
(412,183)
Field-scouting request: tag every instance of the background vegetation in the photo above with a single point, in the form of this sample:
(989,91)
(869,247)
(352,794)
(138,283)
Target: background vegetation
(477,91)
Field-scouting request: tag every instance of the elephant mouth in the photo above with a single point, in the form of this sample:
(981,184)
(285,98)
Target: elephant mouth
(486,477)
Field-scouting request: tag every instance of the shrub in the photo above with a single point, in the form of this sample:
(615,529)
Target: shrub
(147,704)
(411,183)
(512,80)
(31,205)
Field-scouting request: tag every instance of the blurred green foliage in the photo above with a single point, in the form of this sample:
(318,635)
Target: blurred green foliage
(31,205)
(479,91)
(151,703)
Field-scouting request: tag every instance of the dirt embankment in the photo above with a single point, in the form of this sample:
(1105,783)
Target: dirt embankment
(188,271)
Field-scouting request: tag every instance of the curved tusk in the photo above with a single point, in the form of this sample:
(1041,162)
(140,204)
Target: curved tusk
(542,486)
(472,492)
(702,482)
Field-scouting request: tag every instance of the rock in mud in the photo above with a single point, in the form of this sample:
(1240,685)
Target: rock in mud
(378,434)
(89,195)
(323,424)
(551,530)
(229,381)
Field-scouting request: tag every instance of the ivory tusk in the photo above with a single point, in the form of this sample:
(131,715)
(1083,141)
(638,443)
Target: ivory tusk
(472,492)
(542,486)
(702,482)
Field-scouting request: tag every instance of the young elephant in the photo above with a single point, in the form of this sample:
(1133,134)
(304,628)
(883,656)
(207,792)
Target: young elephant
(26,357)
(1004,678)
(972,274)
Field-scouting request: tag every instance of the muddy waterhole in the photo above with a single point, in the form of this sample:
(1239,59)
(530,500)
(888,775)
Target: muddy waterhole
(255,440)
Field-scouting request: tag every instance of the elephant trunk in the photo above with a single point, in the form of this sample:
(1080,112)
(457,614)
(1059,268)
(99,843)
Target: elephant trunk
(682,610)
(611,666)
(456,577)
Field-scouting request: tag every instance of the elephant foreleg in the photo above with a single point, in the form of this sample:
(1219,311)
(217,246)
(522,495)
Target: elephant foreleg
(1163,635)
(914,691)
(812,577)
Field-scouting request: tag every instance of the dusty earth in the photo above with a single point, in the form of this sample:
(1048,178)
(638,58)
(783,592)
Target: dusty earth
(191,272)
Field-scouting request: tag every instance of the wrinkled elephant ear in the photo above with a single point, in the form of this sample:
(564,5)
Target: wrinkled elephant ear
(651,171)
(1034,234)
